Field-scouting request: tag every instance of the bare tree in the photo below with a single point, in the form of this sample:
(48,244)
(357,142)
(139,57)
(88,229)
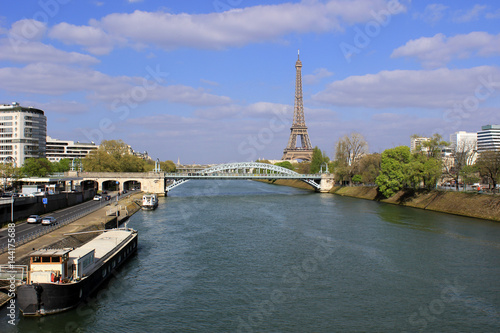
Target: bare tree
(489,166)
(463,153)
(348,152)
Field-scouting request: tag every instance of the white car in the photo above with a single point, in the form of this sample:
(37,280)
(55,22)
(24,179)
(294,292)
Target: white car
(48,220)
(34,219)
(97,197)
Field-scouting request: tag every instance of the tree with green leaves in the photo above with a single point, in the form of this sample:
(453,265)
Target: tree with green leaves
(37,167)
(8,171)
(286,165)
(434,146)
(470,175)
(393,170)
(317,160)
(168,166)
(369,167)
(114,156)
(62,166)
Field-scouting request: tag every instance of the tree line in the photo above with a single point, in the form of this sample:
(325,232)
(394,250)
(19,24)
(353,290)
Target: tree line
(111,156)
(398,168)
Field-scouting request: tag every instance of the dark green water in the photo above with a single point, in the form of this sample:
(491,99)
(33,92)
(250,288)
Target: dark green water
(241,256)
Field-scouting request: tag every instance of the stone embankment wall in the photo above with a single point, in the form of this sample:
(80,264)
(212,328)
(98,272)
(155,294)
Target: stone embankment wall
(483,206)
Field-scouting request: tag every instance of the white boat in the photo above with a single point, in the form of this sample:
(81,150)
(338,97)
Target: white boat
(149,201)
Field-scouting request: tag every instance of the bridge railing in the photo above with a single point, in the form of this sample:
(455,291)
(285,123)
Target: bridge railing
(236,174)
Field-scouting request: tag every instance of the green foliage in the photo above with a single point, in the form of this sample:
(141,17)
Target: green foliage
(62,166)
(302,167)
(434,146)
(36,167)
(318,158)
(369,167)
(470,174)
(168,166)
(9,171)
(357,179)
(114,156)
(285,164)
(393,168)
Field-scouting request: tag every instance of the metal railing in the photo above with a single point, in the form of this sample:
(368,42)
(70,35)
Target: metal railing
(45,230)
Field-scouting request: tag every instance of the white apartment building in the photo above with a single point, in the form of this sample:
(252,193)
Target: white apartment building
(416,142)
(22,133)
(59,149)
(488,138)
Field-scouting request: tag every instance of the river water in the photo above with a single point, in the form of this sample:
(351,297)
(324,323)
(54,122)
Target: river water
(243,256)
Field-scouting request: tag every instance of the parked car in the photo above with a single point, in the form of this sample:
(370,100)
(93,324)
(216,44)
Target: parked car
(97,197)
(48,220)
(34,219)
(104,192)
(107,198)
(10,195)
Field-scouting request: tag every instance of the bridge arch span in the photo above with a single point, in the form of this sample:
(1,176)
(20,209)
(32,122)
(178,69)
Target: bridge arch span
(244,170)
(249,166)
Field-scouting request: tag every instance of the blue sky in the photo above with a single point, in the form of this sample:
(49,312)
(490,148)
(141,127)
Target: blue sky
(213,81)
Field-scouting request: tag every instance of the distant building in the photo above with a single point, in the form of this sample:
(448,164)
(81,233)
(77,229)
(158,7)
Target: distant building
(56,149)
(415,143)
(22,133)
(465,141)
(145,156)
(488,138)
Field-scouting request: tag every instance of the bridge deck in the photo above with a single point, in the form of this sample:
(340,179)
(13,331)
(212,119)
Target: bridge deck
(238,176)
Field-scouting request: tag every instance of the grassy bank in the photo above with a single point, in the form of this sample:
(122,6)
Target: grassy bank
(476,205)
(459,203)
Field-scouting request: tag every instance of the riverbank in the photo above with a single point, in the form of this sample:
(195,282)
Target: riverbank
(458,203)
(59,238)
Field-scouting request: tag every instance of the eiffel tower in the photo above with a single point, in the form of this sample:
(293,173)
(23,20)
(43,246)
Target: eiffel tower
(299,128)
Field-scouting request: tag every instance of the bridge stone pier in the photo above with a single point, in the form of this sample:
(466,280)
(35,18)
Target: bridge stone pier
(327,182)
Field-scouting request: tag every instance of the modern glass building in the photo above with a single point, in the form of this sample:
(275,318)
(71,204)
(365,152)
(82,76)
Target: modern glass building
(22,133)
(488,138)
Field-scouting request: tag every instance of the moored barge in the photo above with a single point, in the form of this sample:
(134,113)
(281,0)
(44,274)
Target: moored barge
(60,279)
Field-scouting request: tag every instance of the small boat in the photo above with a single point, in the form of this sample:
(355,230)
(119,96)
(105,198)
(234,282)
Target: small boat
(60,279)
(149,201)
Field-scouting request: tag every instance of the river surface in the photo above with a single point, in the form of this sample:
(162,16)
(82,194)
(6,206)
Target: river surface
(243,256)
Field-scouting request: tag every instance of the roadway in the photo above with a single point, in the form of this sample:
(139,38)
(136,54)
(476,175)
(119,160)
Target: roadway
(24,228)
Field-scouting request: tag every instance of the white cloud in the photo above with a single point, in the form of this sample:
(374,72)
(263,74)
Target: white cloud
(432,14)
(317,76)
(93,39)
(59,106)
(235,27)
(52,79)
(27,30)
(438,50)
(255,110)
(440,88)
(469,15)
(24,51)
